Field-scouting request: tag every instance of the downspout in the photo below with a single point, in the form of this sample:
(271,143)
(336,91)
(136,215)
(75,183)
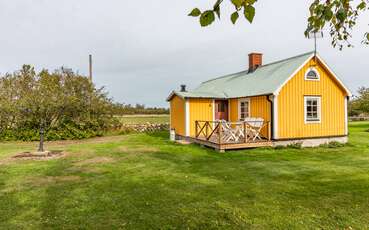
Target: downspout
(271,114)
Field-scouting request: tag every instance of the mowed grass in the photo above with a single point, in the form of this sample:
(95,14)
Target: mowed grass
(142,119)
(143,181)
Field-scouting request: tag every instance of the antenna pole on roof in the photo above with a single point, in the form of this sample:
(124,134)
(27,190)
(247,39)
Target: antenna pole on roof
(315,35)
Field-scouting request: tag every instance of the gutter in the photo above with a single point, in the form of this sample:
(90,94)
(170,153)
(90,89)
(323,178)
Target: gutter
(271,114)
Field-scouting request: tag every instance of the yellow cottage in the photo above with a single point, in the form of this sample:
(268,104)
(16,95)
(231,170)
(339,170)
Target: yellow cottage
(296,100)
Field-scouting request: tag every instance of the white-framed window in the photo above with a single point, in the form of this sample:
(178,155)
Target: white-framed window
(312,74)
(312,109)
(243,108)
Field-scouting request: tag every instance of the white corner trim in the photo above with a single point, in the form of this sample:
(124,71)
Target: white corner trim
(292,75)
(239,106)
(275,117)
(213,104)
(319,99)
(335,76)
(346,117)
(187,111)
(316,72)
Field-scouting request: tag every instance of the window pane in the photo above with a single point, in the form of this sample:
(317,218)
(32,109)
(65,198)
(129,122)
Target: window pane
(312,75)
(312,109)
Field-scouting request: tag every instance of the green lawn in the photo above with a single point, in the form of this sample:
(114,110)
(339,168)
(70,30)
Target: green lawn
(141,119)
(142,181)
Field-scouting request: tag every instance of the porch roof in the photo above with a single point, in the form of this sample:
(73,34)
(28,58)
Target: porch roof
(265,80)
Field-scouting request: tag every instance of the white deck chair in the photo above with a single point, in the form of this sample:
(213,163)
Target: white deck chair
(255,126)
(229,133)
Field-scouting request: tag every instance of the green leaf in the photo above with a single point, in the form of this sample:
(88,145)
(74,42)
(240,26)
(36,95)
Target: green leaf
(367,36)
(249,12)
(250,2)
(328,14)
(237,3)
(361,6)
(207,18)
(234,17)
(341,15)
(195,12)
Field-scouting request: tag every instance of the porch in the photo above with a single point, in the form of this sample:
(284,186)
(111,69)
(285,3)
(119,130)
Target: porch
(225,135)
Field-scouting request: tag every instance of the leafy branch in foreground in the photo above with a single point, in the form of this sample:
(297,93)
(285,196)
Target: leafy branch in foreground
(339,15)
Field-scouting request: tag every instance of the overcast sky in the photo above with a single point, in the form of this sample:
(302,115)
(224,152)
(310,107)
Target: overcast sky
(144,49)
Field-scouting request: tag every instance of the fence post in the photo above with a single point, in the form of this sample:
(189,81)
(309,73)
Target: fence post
(196,131)
(220,132)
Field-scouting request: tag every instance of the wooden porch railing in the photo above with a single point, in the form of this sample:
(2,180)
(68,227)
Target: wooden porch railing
(223,132)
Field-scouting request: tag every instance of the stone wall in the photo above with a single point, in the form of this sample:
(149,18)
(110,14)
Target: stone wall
(146,127)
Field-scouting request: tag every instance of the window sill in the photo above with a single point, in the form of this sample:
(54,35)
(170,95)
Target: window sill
(313,122)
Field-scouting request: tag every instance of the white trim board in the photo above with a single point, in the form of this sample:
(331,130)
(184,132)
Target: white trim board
(187,112)
(275,117)
(292,75)
(335,76)
(346,116)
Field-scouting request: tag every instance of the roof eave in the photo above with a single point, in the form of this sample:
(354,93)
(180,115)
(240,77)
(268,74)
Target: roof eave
(172,94)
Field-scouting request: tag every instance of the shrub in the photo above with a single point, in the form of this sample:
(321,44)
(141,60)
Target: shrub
(296,145)
(333,144)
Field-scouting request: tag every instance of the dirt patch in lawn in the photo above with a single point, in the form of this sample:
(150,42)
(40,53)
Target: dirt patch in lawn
(32,156)
(38,156)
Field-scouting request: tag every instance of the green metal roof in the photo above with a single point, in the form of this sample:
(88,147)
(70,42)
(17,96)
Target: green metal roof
(265,80)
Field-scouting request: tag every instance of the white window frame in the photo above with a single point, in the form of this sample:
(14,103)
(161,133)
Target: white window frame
(316,72)
(319,109)
(239,107)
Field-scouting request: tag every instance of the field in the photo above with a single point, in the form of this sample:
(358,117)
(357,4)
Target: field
(141,119)
(143,181)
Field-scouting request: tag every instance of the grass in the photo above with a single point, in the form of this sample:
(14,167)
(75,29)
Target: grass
(141,119)
(143,181)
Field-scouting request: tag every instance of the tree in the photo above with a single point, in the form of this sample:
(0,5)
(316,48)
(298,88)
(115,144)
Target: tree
(361,103)
(339,15)
(62,104)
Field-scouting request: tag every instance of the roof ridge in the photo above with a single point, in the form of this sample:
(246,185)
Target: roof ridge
(228,75)
(287,59)
(247,71)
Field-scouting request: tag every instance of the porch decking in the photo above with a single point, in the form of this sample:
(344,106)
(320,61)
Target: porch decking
(222,135)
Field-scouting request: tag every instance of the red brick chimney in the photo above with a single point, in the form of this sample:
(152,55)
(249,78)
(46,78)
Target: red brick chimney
(255,61)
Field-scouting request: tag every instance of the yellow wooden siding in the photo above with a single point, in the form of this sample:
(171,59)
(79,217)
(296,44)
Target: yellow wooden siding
(291,117)
(260,107)
(233,110)
(200,109)
(177,115)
